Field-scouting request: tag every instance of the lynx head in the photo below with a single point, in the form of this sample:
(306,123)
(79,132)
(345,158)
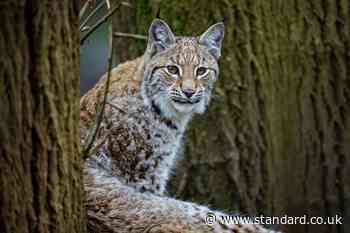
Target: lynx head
(180,71)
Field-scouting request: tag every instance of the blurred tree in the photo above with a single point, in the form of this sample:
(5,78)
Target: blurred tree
(40,168)
(276,138)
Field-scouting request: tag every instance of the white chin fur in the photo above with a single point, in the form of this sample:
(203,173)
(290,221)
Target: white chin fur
(188,108)
(183,108)
(172,109)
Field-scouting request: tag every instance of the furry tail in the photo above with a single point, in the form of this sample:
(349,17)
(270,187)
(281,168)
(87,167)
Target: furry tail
(113,207)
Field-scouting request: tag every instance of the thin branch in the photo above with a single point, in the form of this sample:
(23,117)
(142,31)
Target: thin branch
(127,4)
(116,107)
(99,23)
(84,8)
(85,29)
(129,35)
(86,151)
(95,149)
(83,24)
(108,4)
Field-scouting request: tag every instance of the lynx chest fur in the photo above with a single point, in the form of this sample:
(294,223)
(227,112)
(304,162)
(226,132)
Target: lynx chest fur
(140,149)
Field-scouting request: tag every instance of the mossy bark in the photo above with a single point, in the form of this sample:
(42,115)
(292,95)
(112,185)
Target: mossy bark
(276,137)
(40,168)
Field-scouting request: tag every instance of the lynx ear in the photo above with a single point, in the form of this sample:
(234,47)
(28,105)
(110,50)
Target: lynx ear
(160,37)
(212,39)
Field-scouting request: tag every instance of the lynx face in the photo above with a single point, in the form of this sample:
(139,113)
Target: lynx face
(180,71)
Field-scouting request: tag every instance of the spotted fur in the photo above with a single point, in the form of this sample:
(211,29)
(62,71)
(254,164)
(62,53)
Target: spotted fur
(144,125)
(151,102)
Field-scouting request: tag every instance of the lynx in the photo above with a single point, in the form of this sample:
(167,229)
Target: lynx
(151,101)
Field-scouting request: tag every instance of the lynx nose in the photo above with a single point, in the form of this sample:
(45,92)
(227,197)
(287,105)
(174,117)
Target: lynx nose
(188,92)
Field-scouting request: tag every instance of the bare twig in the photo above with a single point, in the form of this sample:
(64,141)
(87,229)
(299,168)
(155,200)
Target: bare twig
(127,4)
(99,144)
(86,20)
(108,4)
(86,151)
(129,35)
(84,8)
(84,29)
(116,107)
(99,23)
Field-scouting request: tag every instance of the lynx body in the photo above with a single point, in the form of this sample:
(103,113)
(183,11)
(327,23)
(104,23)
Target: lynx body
(151,101)
(143,127)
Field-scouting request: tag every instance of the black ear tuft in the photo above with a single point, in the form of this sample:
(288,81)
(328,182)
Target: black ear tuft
(212,39)
(160,36)
(158,13)
(225,19)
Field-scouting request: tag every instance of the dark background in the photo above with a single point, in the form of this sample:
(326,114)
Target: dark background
(93,54)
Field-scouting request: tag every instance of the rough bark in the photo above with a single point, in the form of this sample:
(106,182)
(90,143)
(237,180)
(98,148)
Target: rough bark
(40,169)
(276,138)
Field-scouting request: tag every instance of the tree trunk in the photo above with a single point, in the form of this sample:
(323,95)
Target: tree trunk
(275,140)
(40,168)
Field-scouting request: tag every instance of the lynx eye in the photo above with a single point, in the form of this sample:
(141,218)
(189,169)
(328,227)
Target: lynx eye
(201,71)
(173,70)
